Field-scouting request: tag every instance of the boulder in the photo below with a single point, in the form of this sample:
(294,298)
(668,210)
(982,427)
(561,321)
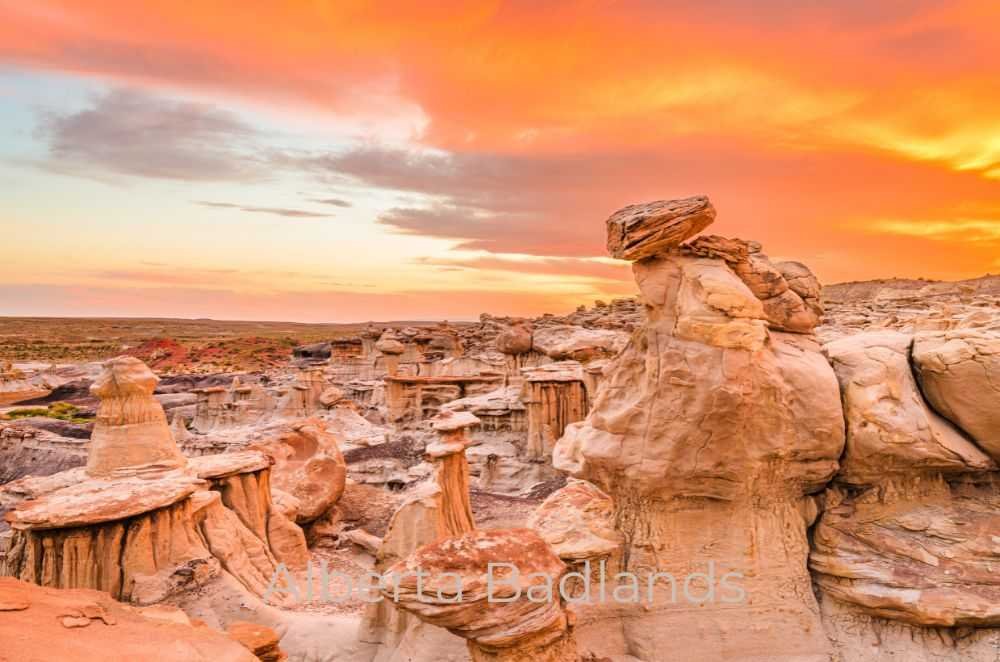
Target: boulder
(959,374)
(500,625)
(647,229)
(577,521)
(890,429)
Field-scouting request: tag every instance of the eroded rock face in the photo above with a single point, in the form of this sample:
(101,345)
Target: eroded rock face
(891,430)
(518,628)
(515,339)
(131,429)
(710,432)
(959,373)
(309,466)
(917,551)
(577,521)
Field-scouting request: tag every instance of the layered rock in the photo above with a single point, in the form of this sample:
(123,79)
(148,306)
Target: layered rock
(920,552)
(578,522)
(907,539)
(131,429)
(554,396)
(508,623)
(436,509)
(640,231)
(709,432)
(147,526)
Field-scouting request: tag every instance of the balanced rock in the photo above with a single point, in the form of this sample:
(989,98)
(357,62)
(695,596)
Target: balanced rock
(710,431)
(648,229)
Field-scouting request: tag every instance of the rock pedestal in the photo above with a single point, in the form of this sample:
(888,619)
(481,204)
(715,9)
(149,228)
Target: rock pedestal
(710,432)
(131,429)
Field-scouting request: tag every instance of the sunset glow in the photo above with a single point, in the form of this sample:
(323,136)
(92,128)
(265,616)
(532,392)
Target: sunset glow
(345,161)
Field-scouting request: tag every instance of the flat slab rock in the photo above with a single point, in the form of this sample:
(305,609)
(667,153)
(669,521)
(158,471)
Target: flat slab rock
(89,626)
(104,500)
(229,464)
(648,229)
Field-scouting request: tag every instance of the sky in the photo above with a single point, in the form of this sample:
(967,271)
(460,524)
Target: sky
(329,161)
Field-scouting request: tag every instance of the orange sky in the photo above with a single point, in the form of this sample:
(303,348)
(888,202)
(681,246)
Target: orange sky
(476,149)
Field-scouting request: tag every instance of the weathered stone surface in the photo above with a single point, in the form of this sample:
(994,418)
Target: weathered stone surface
(890,429)
(529,629)
(103,629)
(709,431)
(573,342)
(260,640)
(578,522)
(917,551)
(229,464)
(131,429)
(309,466)
(142,559)
(515,339)
(643,230)
(103,500)
(959,373)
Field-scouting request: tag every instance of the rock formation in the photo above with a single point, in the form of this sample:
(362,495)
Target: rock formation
(709,432)
(141,522)
(434,510)
(515,624)
(308,466)
(39,623)
(644,230)
(959,373)
(131,428)
(909,529)
(578,522)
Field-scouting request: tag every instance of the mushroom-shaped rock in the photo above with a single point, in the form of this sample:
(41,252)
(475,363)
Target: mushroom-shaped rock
(515,339)
(890,429)
(448,453)
(578,522)
(389,343)
(498,589)
(959,373)
(131,428)
(453,421)
(644,230)
(710,429)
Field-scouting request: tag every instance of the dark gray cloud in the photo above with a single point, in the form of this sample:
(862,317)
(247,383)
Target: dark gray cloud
(275,211)
(126,131)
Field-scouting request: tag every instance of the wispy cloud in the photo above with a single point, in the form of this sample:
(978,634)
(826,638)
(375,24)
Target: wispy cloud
(336,202)
(275,211)
(960,230)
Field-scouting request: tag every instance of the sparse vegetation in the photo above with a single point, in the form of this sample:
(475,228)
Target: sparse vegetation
(62,411)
